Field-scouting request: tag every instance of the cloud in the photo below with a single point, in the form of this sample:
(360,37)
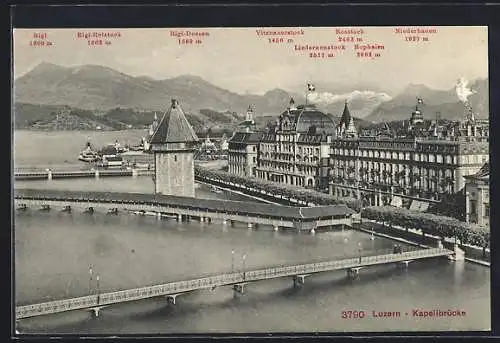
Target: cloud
(330,98)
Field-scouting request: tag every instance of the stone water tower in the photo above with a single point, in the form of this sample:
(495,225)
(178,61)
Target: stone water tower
(173,143)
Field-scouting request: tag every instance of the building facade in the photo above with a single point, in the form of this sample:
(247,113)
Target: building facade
(295,150)
(242,153)
(477,197)
(422,165)
(173,143)
(242,148)
(398,170)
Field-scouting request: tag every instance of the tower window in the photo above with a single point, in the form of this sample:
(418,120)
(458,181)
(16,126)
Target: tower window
(175,158)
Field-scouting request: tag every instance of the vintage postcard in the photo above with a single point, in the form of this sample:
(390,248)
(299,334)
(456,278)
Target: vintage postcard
(251,180)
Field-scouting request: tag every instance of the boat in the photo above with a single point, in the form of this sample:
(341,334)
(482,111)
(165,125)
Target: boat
(88,155)
(110,158)
(119,148)
(143,146)
(216,190)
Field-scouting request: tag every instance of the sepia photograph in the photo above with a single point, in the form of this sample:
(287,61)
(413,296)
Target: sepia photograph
(250,180)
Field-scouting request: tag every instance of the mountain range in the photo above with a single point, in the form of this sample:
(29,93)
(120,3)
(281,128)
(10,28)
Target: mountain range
(444,103)
(100,89)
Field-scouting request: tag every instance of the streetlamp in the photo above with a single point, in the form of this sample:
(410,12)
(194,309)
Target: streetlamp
(244,257)
(359,250)
(98,289)
(90,279)
(232,261)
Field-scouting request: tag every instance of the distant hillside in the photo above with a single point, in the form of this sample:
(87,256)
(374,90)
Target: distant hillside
(98,87)
(54,117)
(101,88)
(444,102)
(43,117)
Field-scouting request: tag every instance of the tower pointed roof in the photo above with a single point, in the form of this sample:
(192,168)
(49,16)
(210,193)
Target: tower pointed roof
(174,127)
(346,116)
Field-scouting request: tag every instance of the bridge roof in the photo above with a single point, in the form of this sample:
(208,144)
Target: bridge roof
(213,205)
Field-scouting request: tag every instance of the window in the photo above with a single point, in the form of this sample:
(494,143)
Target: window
(175,158)
(254,160)
(486,209)
(253,149)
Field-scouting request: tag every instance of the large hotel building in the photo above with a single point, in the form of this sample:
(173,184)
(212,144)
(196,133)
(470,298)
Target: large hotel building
(416,167)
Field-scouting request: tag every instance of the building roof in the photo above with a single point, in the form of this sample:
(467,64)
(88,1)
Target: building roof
(346,116)
(302,118)
(174,127)
(246,137)
(214,205)
(483,173)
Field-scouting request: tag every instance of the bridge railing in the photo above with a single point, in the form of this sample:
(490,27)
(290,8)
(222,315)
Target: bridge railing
(217,280)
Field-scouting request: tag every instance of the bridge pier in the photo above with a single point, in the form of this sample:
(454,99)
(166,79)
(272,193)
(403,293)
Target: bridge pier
(171,298)
(276,228)
(95,311)
(239,288)
(208,220)
(67,209)
(158,215)
(202,219)
(49,174)
(90,210)
(96,175)
(405,263)
(179,217)
(224,221)
(353,272)
(45,208)
(299,280)
(113,211)
(249,226)
(312,231)
(459,254)
(232,223)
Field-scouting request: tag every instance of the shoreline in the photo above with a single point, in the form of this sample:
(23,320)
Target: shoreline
(375,232)
(406,241)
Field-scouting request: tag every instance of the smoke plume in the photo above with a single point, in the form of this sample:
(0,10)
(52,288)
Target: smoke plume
(463,90)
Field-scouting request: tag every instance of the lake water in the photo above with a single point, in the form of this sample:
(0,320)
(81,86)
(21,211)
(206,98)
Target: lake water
(53,251)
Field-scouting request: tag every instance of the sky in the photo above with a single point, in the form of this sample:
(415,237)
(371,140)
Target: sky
(240,60)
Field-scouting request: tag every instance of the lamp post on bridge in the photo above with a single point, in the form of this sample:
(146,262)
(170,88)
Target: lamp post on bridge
(232,261)
(244,257)
(90,279)
(98,289)
(359,250)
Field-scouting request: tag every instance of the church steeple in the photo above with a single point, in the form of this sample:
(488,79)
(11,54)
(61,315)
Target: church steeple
(249,115)
(346,126)
(416,116)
